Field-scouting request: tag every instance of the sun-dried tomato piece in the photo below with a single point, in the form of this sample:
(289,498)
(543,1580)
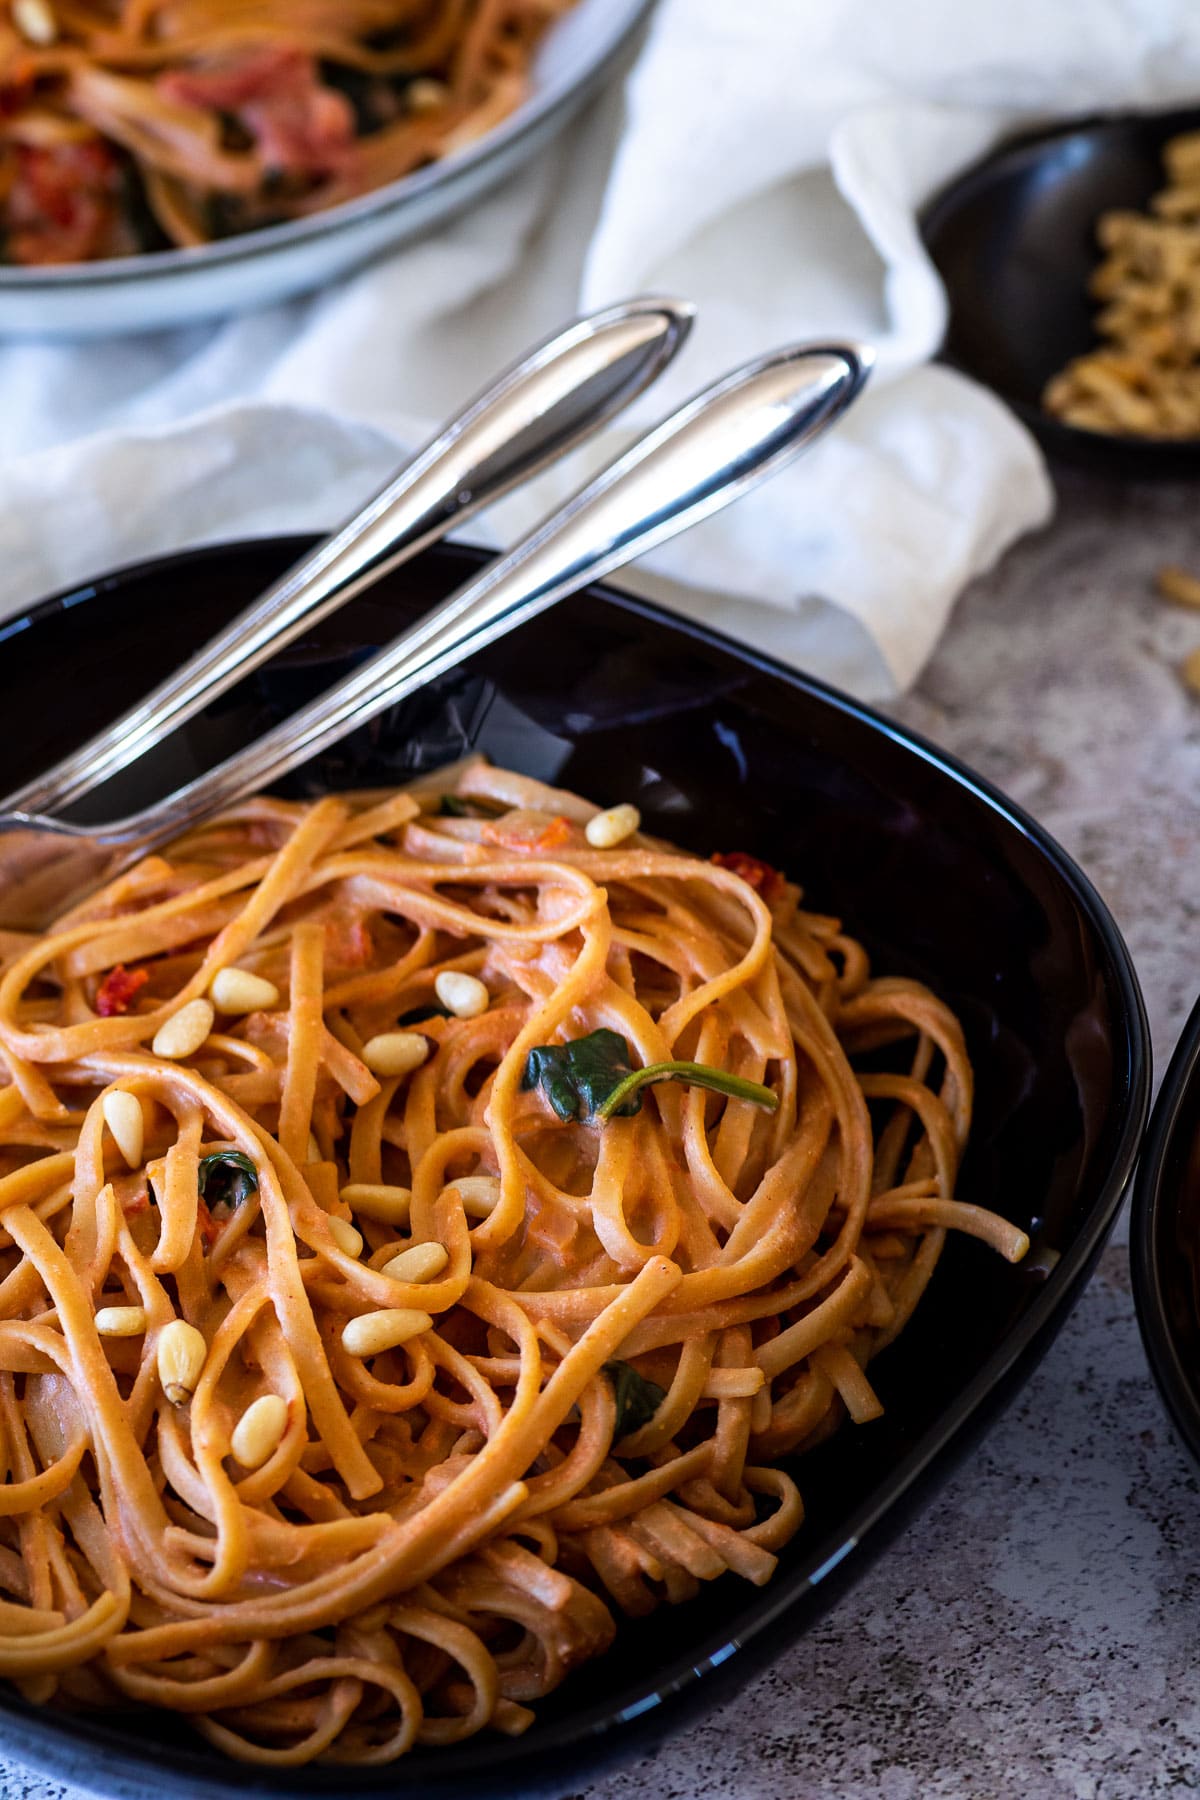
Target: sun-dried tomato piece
(523,830)
(301,126)
(210,1229)
(62,205)
(16,86)
(348,941)
(754,872)
(228,82)
(118,989)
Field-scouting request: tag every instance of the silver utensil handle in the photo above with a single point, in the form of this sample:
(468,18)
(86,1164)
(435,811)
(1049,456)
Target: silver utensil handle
(534,413)
(723,442)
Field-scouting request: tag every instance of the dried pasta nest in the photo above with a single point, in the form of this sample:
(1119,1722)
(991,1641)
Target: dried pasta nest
(1143,380)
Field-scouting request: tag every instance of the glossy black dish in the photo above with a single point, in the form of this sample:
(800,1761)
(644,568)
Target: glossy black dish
(1014,240)
(1164,1244)
(721,749)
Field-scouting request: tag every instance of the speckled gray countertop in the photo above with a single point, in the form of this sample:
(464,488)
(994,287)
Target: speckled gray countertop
(1051,1646)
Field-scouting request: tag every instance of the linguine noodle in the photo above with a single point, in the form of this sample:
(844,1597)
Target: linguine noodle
(328,1505)
(131,125)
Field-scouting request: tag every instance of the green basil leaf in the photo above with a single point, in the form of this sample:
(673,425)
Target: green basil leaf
(638,1399)
(227,1177)
(593,1077)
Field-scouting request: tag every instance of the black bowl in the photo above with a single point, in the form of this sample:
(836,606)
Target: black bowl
(721,749)
(1165,1237)
(1014,240)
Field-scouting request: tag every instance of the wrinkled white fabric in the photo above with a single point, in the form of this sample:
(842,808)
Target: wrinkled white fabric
(767,159)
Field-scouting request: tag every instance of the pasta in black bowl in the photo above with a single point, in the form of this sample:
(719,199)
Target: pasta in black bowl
(940,881)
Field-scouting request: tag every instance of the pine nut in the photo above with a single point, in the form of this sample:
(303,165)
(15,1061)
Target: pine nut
(314,1149)
(123,1116)
(421,1262)
(395,1052)
(374,1332)
(612,827)
(258,1432)
(479,1194)
(375,1200)
(121,1321)
(426,95)
(181,1356)
(184,1031)
(345,1237)
(1176,584)
(463,995)
(238,991)
(35,21)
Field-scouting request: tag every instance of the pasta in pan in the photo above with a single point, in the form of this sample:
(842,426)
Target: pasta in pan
(426,1223)
(134,125)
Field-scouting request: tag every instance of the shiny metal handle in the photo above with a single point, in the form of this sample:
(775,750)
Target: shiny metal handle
(536,412)
(723,442)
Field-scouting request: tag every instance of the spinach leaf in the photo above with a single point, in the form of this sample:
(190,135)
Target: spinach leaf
(638,1399)
(457,806)
(625,1097)
(419,1014)
(593,1077)
(225,215)
(227,1177)
(145,229)
(578,1076)
(372,98)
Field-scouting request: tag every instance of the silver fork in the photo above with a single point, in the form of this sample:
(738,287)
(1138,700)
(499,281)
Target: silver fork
(723,442)
(546,404)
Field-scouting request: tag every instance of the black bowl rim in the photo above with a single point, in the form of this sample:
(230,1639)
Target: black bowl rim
(45,1741)
(1154,1199)
(1026,145)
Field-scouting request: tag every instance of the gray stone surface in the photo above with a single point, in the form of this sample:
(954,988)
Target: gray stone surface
(1035,1633)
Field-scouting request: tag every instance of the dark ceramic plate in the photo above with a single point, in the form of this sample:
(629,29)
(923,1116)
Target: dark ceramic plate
(720,748)
(1014,240)
(1165,1237)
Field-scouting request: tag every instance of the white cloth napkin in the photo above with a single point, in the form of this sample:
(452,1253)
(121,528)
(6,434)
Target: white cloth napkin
(766,158)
